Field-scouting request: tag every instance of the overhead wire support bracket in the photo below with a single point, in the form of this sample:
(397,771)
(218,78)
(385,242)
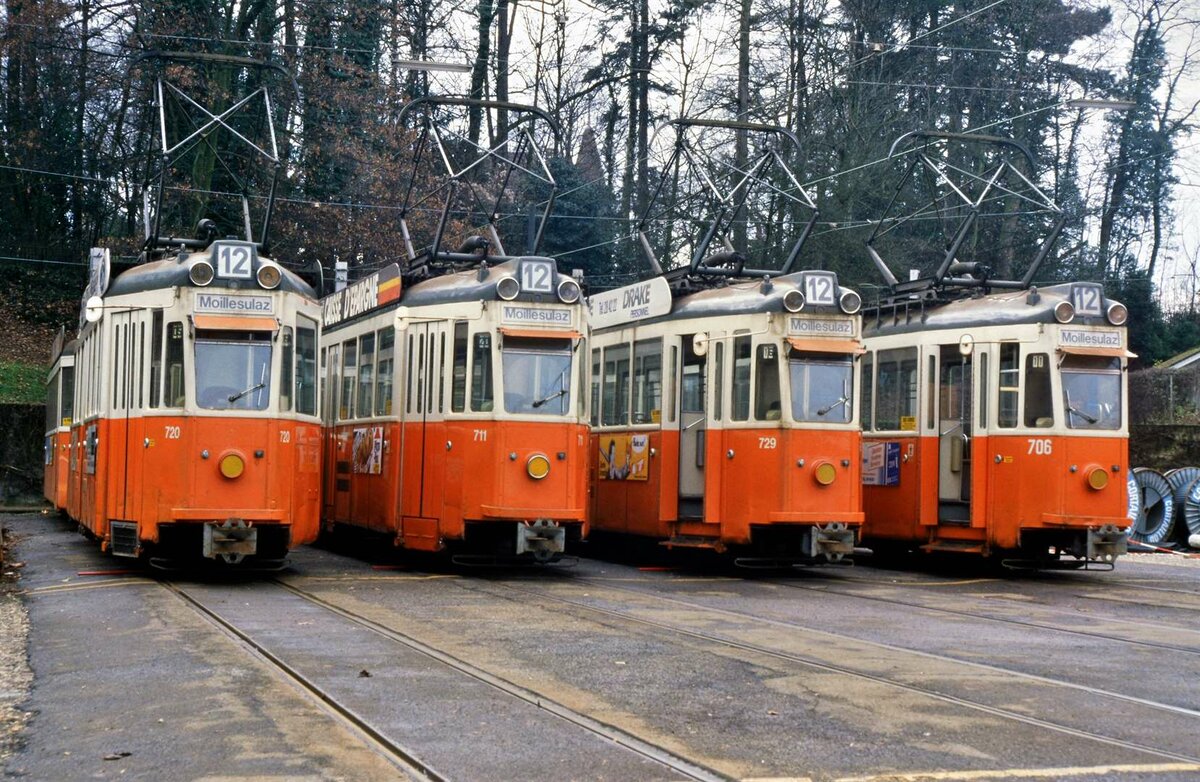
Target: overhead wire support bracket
(949,275)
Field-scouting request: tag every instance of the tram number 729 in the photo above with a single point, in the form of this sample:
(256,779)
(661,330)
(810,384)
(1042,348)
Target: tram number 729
(1040,446)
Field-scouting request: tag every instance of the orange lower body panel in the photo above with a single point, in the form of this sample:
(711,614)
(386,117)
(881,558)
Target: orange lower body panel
(162,479)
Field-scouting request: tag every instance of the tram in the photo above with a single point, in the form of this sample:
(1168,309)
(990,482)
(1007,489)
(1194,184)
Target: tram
(60,410)
(455,413)
(724,399)
(994,415)
(194,431)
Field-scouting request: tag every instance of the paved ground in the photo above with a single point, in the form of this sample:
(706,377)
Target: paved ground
(349,667)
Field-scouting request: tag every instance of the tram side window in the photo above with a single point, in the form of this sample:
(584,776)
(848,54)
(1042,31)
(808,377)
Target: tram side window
(482,392)
(896,390)
(766,384)
(67,414)
(1010,386)
(868,392)
(740,409)
(719,382)
(156,327)
(1092,392)
(615,391)
(647,381)
(306,366)
(1039,403)
(595,387)
(285,370)
(383,376)
(174,396)
(53,394)
(583,367)
(458,382)
(671,370)
(366,373)
(349,369)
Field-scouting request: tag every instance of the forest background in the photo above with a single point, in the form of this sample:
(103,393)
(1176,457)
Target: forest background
(76,130)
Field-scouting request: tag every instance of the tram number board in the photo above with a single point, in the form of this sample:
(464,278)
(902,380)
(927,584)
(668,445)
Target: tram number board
(1087,299)
(537,276)
(820,288)
(235,260)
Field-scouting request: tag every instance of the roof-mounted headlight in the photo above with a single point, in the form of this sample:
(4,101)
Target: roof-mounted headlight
(850,302)
(201,273)
(793,300)
(508,288)
(269,276)
(1064,312)
(569,291)
(1117,313)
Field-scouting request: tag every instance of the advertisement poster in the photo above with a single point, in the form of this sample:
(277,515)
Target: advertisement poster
(368,450)
(881,464)
(624,457)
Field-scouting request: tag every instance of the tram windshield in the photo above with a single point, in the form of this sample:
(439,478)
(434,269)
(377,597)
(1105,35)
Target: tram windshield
(822,387)
(233,370)
(537,375)
(1092,392)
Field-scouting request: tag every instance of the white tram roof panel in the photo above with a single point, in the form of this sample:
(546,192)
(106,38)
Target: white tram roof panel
(173,272)
(1003,308)
(745,298)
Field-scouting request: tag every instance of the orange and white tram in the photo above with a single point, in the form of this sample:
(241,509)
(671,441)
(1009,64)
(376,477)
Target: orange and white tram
(727,418)
(994,411)
(195,432)
(60,406)
(996,425)
(455,415)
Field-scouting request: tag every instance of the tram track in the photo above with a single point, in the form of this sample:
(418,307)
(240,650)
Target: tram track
(996,711)
(406,758)
(646,749)
(1016,622)
(401,757)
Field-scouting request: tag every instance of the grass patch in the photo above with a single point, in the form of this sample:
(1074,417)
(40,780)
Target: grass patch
(22,383)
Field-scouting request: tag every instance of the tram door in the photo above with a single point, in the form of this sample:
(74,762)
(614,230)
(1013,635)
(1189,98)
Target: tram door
(337,447)
(692,429)
(954,436)
(425,378)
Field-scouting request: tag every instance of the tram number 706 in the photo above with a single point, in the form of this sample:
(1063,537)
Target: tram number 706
(1040,446)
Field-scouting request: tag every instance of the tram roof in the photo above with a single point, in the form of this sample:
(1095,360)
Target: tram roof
(741,298)
(477,284)
(172,272)
(1003,308)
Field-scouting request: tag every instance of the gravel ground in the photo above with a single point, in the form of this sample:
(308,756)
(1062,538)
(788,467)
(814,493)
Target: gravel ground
(15,676)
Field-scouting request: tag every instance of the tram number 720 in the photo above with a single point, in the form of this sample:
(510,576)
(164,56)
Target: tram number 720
(1040,446)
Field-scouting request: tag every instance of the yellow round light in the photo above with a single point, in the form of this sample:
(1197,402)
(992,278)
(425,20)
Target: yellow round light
(1097,478)
(825,473)
(232,465)
(538,466)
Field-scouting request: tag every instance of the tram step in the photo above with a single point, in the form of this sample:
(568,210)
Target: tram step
(693,541)
(954,546)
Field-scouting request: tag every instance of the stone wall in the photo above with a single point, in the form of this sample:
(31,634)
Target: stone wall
(22,435)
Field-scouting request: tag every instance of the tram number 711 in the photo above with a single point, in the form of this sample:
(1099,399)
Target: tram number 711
(1040,446)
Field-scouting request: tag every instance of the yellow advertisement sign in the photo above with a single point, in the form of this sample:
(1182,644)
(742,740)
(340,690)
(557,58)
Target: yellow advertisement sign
(624,457)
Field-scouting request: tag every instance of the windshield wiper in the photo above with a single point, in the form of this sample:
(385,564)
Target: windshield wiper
(544,400)
(832,405)
(250,390)
(1081,414)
